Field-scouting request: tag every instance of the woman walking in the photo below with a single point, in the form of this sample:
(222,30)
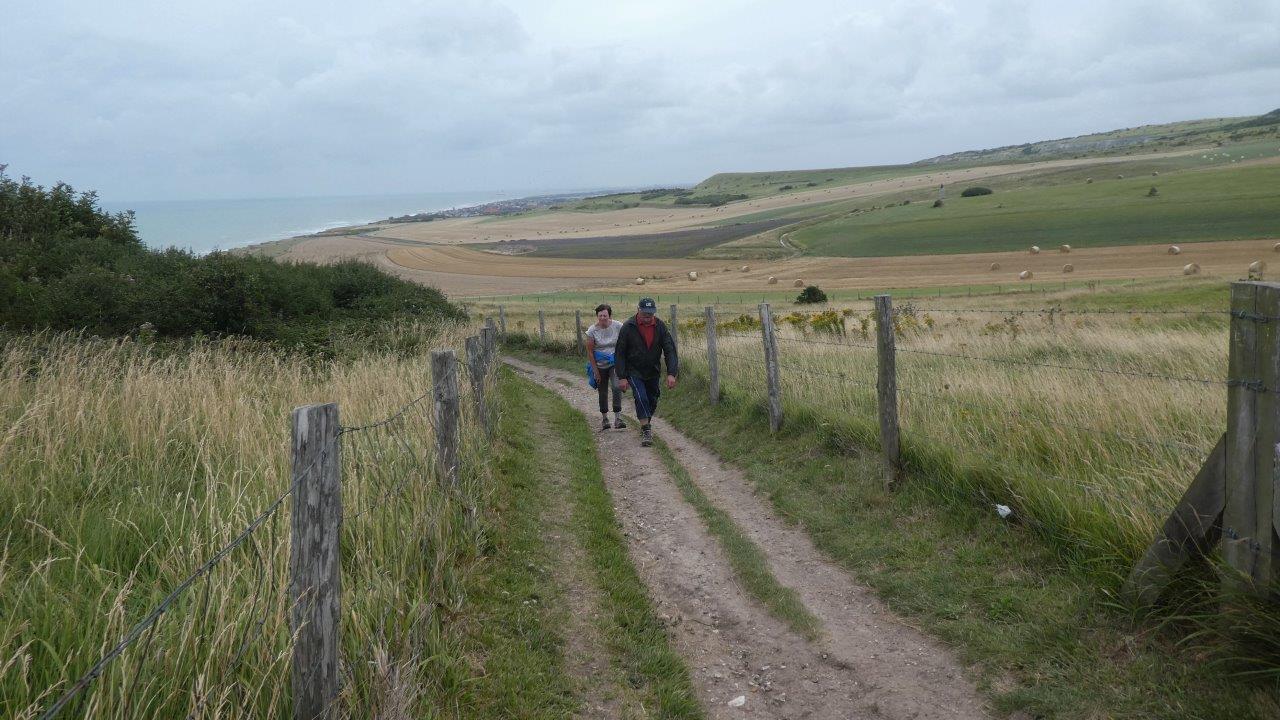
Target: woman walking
(602,342)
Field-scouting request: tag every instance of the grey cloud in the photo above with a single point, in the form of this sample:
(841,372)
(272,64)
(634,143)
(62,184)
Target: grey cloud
(150,99)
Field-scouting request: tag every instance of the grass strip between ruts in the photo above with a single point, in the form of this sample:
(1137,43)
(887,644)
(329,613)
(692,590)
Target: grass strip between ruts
(748,561)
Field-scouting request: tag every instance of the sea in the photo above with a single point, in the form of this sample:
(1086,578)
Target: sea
(203,226)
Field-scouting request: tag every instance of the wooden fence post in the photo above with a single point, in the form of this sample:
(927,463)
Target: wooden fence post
(315,583)
(502,321)
(477,372)
(1253,433)
(713,362)
(1234,497)
(887,389)
(675,326)
(772,378)
(542,326)
(577,338)
(489,341)
(444,380)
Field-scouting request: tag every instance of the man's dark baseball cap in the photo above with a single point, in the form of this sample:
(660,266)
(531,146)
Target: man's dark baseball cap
(648,306)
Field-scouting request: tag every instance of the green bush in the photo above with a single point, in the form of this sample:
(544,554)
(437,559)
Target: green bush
(975,191)
(811,295)
(65,264)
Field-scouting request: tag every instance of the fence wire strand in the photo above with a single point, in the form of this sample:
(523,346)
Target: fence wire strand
(159,610)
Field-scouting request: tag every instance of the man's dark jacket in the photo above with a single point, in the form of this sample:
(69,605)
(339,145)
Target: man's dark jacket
(633,357)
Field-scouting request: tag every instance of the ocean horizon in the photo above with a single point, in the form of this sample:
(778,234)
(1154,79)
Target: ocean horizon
(203,226)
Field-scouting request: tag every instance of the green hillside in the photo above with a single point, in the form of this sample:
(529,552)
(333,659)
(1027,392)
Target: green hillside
(1146,139)
(1218,203)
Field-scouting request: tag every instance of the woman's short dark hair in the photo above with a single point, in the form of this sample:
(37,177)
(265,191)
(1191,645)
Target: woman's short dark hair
(603,306)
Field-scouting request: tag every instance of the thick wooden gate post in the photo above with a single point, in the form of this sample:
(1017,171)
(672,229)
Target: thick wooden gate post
(887,389)
(542,326)
(577,338)
(477,372)
(502,321)
(1253,435)
(713,362)
(772,378)
(444,380)
(315,583)
(489,341)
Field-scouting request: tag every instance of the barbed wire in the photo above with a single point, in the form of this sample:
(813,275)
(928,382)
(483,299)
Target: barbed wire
(398,414)
(1067,311)
(1078,368)
(1140,374)
(159,610)
(815,341)
(830,375)
(1003,413)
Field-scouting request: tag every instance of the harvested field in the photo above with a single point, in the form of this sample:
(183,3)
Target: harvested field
(464,271)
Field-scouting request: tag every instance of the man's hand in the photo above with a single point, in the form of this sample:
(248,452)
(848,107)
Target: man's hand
(623,384)
(596,370)
(671,382)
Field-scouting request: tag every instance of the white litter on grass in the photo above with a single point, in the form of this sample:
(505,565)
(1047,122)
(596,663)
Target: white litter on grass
(738,701)
(1003,511)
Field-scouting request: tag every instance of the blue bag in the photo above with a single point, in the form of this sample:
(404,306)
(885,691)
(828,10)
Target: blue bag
(603,358)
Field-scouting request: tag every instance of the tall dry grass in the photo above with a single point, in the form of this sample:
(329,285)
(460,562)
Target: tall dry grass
(125,465)
(1097,459)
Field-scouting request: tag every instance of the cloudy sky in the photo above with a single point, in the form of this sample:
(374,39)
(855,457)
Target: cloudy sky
(237,98)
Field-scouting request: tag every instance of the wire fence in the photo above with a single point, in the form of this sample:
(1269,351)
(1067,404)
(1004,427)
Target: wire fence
(385,462)
(1122,399)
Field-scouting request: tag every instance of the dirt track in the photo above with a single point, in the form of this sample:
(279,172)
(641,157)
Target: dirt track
(866,664)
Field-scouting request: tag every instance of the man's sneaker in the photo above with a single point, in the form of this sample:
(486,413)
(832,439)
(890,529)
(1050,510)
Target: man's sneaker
(618,424)
(605,425)
(646,435)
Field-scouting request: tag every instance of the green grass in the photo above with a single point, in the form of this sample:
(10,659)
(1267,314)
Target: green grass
(636,638)
(748,562)
(1211,204)
(516,614)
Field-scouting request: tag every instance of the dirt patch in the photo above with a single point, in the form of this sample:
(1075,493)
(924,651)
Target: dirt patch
(867,664)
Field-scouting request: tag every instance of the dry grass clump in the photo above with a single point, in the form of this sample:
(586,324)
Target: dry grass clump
(124,466)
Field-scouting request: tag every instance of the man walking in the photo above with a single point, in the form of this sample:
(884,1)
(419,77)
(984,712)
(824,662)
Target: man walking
(642,343)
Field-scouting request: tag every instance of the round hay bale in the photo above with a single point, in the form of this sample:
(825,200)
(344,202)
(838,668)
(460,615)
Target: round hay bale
(1035,250)
(639,281)
(1068,268)
(1275,248)
(773,280)
(1119,177)
(1155,174)
(995,266)
(746,268)
(1064,249)
(1175,250)
(1256,267)
(798,283)
(1190,269)
(693,276)
(1025,275)
(1088,181)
